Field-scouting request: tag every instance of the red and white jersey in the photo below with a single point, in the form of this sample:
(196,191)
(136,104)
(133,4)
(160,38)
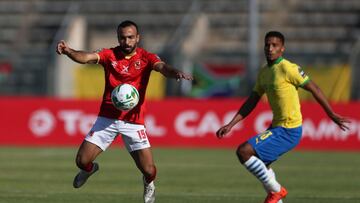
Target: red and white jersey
(133,69)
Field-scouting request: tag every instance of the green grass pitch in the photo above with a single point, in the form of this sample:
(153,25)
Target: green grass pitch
(44,175)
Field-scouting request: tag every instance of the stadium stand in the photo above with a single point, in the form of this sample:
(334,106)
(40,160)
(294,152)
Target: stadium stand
(318,32)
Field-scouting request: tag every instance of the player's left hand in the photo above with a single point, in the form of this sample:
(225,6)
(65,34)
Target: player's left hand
(340,121)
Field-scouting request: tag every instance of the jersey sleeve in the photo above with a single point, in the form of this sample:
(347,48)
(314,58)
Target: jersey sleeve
(296,76)
(257,88)
(103,55)
(153,59)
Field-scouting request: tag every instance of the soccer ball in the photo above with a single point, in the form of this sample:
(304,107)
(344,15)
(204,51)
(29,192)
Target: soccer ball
(125,97)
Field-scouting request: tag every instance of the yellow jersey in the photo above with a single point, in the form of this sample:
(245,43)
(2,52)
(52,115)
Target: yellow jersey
(280,82)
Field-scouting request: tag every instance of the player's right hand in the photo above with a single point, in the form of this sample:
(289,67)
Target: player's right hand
(340,121)
(180,75)
(61,47)
(223,131)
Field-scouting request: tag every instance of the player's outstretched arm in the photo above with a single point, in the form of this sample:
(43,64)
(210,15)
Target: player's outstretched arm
(321,99)
(171,72)
(248,106)
(77,56)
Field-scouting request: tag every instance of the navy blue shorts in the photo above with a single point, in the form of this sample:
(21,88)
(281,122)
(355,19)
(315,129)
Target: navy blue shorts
(274,142)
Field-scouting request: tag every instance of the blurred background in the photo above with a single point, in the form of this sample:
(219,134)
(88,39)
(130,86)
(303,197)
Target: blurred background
(220,42)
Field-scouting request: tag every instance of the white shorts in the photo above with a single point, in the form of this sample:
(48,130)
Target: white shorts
(105,130)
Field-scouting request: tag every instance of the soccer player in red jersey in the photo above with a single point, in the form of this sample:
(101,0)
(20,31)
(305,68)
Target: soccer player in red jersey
(126,63)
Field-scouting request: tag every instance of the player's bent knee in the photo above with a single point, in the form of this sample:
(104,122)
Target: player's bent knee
(243,152)
(239,154)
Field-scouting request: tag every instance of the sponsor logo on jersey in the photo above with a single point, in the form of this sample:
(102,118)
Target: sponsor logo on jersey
(125,69)
(114,64)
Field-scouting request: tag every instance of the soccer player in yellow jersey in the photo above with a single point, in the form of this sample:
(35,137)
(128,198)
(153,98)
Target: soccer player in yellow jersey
(279,79)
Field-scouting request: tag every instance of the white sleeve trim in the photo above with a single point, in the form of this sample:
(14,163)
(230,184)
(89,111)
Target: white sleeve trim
(98,58)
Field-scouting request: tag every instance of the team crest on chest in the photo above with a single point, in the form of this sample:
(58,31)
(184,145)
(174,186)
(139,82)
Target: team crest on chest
(137,64)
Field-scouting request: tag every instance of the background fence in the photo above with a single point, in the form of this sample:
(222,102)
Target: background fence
(191,34)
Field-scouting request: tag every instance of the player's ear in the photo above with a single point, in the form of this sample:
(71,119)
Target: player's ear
(137,38)
(118,37)
(282,49)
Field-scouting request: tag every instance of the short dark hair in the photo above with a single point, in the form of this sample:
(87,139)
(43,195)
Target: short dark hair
(128,23)
(276,34)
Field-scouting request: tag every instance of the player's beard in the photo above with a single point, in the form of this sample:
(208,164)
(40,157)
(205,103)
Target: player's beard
(128,50)
(271,57)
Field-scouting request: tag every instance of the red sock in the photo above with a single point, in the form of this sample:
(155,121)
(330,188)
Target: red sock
(89,167)
(151,178)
